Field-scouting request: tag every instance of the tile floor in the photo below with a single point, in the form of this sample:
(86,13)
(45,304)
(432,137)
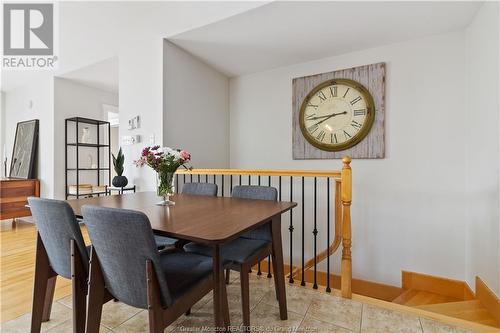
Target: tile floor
(308,311)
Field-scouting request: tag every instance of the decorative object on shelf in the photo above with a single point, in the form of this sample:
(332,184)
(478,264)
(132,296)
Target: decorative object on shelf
(165,161)
(339,113)
(22,164)
(118,160)
(134,123)
(81,189)
(85,135)
(94,168)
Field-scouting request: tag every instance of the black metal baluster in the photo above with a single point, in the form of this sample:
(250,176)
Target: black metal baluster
(258,180)
(191,178)
(249,179)
(290,228)
(222,184)
(240,181)
(176,183)
(328,235)
(303,282)
(230,184)
(206,178)
(269,257)
(199,178)
(315,233)
(215,181)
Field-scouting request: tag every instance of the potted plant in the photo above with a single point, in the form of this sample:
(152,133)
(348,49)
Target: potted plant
(118,160)
(165,161)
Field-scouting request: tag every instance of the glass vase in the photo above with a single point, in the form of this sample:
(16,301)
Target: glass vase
(165,187)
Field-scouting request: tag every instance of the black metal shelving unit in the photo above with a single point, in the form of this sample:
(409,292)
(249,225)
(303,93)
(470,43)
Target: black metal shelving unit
(98,146)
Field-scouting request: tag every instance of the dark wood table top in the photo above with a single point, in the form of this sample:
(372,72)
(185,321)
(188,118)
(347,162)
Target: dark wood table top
(197,218)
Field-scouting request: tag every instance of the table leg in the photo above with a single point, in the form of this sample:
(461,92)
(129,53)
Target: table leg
(277,262)
(218,274)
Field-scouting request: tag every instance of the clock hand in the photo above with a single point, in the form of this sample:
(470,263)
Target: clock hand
(329,116)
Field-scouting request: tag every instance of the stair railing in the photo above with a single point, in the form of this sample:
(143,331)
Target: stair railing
(341,184)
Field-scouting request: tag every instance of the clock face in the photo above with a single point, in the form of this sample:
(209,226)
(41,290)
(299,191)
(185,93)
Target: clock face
(336,115)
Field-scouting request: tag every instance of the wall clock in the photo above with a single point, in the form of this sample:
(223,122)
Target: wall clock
(339,113)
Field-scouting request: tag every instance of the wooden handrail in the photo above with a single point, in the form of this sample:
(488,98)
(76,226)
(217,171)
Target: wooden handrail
(262,172)
(343,198)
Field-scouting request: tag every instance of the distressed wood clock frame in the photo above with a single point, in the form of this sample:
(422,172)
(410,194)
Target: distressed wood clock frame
(370,77)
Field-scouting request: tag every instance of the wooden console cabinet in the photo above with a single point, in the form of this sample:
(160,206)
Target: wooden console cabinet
(14,194)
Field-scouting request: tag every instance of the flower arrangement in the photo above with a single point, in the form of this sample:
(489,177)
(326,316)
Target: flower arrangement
(165,161)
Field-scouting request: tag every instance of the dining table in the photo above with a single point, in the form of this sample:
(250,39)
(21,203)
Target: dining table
(213,221)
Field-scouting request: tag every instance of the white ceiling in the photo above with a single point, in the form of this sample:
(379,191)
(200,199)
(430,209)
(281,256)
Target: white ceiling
(101,75)
(89,31)
(285,33)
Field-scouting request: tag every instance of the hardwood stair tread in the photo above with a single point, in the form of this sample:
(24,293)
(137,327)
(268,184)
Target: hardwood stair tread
(466,310)
(412,297)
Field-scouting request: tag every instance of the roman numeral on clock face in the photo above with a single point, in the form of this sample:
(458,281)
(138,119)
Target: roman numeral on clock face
(321,136)
(333,138)
(360,112)
(313,105)
(333,91)
(322,96)
(313,128)
(347,135)
(357,99)
(355,124)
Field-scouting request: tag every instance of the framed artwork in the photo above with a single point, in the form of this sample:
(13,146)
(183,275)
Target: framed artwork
(22,164)
(339,113)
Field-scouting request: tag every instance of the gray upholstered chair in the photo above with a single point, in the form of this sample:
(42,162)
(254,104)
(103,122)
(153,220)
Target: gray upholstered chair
(208,189)
(125,265)
(247,250)
(60,251)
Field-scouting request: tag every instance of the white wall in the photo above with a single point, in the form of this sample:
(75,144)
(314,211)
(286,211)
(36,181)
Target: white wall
(482,144)
(408,210)
(195,108)
(141,94)
(16,109)
(73,99)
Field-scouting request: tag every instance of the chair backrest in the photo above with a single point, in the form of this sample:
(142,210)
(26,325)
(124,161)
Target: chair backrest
(200,189)
(257,193)
(123,240)
(57,226)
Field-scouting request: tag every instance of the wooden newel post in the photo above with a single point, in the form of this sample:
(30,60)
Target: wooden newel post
(346,268)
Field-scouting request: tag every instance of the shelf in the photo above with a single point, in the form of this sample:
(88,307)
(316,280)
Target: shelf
(84,194)
(95,145)
(88,121)
(88,169)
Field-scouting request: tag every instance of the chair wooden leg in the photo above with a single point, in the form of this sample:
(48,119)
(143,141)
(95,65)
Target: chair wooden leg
(96,294)
(79,288)
(225,308)
(228,275)
(245,296)
(277,261)
(188,312)
(49,298)
(156,324)
(43,288)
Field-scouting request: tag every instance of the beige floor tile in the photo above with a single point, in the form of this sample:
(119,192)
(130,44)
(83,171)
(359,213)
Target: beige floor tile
(298,299)
(311,325)
(432,326)
(266,318)
(67,301)
(387,321)
(140,324)
(116,313)
(67,327)
(335,310)
(59,314)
